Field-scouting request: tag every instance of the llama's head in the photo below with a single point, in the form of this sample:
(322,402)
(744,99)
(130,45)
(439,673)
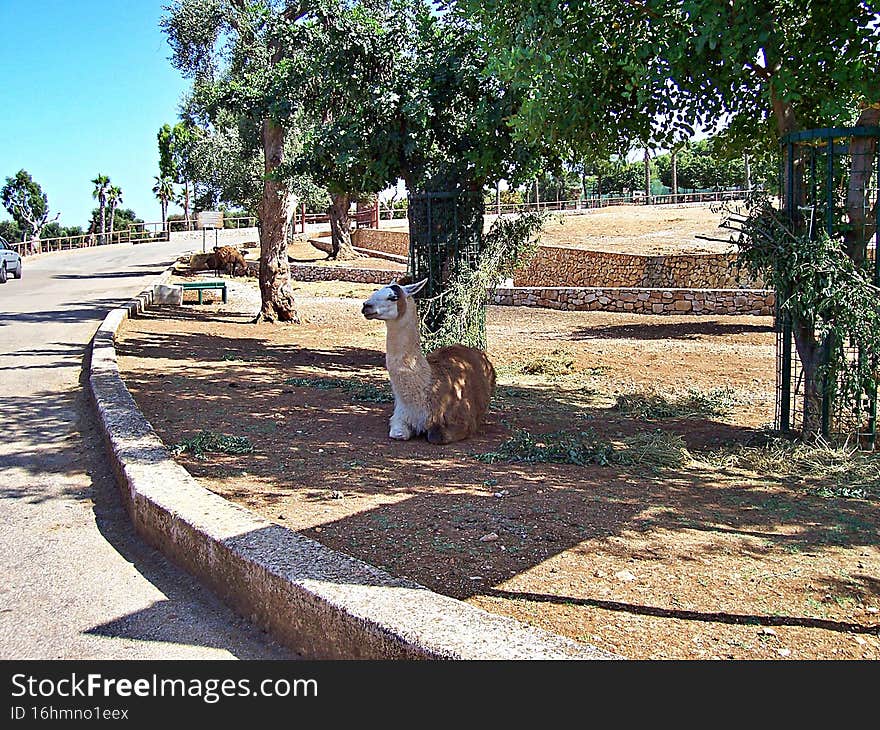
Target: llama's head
(390,301)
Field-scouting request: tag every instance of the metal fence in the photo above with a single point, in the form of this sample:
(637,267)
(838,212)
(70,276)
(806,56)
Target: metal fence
(147,232)
(817,168)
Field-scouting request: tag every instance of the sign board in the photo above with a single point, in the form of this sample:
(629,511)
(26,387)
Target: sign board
(209,219)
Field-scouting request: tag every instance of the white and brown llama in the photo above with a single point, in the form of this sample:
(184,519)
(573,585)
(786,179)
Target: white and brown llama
(444,395)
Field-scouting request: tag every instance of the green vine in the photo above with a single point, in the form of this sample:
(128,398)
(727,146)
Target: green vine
(507,246)
(831,301)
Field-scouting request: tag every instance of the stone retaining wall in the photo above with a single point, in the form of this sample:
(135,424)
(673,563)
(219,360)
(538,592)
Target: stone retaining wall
(394,242)
(555,266)
(307,272)
(573,267)
(759,302)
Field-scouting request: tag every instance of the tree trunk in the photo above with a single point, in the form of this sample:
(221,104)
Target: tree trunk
(275,210)
(498,197)
(647,176)
(101,207)
(164,204)
(811,355)
(785,124)
(747,171)
(340,227)
(112,218)
(189,226)
(537,196)
(862,214)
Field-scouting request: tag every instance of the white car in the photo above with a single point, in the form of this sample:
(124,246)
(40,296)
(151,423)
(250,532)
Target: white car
(10,261)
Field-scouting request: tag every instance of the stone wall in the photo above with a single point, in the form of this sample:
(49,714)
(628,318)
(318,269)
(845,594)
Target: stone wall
(757,302)
(393,242)
(307,272)
(555,266)
(572,267)
(699,284)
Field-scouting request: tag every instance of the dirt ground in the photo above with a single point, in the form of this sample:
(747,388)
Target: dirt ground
(690,561)
(638,229)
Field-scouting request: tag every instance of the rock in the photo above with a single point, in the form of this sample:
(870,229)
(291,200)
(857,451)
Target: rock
(502,493)
(163,294)
(491,537)
(624,575)
(336,494)
(768,632)
(784,652)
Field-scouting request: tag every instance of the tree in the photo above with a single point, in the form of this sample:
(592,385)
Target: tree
(232,50)
(125,218)
(28,205)
(11,231)
(114,199)
(653,69)
(173,156)
(102,187)
(164,191)
(342,75)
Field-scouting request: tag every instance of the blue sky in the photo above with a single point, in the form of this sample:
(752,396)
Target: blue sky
(85,87)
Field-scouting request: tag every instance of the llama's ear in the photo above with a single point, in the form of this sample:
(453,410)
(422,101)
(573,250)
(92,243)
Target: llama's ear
(412,289)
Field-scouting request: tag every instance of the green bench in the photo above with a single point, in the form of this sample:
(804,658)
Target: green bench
(201,286)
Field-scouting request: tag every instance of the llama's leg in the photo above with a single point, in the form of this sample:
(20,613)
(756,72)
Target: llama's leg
(447,433)
(400,429)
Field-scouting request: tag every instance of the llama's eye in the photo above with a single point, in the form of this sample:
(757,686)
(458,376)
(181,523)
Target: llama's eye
(393,298)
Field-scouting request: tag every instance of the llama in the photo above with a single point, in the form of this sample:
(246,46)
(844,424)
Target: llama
(226,258)
(444,395)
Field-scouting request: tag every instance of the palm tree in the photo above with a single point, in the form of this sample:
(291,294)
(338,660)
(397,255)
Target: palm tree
(164,191)
(102,185)
(114,199)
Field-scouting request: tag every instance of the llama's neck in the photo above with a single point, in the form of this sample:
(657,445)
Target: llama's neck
(406,364)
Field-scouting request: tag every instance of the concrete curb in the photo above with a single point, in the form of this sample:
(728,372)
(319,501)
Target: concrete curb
(322,603)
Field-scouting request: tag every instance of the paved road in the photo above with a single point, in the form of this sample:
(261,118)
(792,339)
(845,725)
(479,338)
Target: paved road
(77,583)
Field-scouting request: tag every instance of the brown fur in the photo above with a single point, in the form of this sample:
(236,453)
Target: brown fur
(462,385)
(226,259)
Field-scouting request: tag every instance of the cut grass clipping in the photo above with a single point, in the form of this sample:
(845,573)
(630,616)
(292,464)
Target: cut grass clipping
(359,390)
(823,469)
(556,362)
(694,404)
(655,449)
(216,443)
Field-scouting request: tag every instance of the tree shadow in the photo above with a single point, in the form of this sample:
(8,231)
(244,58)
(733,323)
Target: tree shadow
(690,330)
(112,274)
(327,446)
(95,309)
(684,615)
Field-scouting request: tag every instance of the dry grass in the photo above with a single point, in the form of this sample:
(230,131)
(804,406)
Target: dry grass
(823,469)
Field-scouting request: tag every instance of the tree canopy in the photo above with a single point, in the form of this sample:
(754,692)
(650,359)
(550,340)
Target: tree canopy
(598,76)
(26,202)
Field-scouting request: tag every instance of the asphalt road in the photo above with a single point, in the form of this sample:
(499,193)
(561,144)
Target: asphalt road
(77,582)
